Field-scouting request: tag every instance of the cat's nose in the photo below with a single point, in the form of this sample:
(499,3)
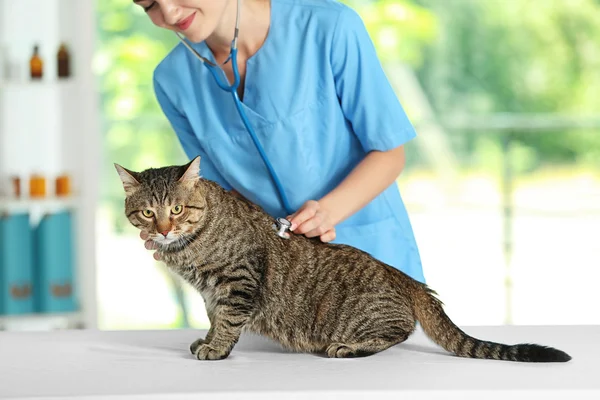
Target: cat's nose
(165,233)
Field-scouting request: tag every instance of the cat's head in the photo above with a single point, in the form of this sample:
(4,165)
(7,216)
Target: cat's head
(165,202)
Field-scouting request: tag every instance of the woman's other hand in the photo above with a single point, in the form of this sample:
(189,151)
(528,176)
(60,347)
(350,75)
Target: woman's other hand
(149,244)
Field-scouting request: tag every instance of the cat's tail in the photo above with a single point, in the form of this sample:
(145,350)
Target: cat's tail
(438,326)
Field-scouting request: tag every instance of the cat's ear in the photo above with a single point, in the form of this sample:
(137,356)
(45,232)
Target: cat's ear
(192,171)
(130,183)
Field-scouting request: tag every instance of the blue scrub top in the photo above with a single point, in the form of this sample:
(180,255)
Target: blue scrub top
(319,101)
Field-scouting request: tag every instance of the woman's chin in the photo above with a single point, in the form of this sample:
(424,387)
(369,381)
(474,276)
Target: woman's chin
(194,36)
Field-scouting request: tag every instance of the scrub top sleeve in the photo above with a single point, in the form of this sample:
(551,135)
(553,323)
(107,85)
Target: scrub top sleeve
(366,96)
(190,143)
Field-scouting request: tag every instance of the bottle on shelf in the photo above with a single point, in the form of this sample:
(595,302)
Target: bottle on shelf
(37,186)
(16,185)
(36,64)
(63,186)
(63,59)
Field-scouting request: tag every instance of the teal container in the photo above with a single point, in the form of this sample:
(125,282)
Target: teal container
(16,265)
(54,266)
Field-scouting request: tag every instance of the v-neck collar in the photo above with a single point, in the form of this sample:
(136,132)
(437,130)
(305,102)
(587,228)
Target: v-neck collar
(247,103)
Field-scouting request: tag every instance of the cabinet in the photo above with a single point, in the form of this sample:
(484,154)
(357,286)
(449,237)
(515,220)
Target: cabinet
(51,127)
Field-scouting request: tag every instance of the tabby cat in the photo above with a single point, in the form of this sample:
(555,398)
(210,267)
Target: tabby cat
(308,295)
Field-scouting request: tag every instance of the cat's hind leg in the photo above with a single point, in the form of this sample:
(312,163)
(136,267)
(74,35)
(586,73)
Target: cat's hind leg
(361,349)
(363,345)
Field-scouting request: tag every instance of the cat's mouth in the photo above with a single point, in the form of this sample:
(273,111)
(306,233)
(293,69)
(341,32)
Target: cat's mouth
(170,243)
(165,241)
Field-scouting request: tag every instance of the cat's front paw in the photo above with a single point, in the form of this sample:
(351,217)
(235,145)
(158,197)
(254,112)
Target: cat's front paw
(194,346)
(206,352)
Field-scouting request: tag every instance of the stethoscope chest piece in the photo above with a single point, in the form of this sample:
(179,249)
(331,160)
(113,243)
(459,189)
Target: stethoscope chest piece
(282,226)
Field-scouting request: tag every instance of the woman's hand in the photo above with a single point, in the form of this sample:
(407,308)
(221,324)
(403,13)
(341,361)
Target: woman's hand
(313,220)
(376,172)
(149,244)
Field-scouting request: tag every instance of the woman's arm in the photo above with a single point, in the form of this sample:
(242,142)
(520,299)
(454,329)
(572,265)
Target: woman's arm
(378,120)
(375,173)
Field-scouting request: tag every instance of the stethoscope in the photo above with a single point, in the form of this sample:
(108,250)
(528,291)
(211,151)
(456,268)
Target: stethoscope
(282,224)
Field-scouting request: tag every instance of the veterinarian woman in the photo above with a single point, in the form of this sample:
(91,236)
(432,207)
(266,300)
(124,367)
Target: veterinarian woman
(317,97)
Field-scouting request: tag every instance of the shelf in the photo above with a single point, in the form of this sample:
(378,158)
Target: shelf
(52,126)
(44,83)
(40,321)
(12,205)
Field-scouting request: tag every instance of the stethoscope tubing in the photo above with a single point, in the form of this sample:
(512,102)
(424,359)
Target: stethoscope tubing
(221,80)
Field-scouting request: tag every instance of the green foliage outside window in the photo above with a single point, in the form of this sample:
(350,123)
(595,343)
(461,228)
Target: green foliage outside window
(472,57)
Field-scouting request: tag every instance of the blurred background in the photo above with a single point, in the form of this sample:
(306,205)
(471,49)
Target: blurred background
(502,183)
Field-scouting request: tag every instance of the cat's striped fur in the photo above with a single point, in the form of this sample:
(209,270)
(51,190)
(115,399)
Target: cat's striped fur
(308,295)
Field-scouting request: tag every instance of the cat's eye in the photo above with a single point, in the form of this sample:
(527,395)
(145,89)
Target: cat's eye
(148,213)
(176,210)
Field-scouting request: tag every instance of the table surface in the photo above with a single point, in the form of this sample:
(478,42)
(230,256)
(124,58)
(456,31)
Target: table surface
(157,365)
